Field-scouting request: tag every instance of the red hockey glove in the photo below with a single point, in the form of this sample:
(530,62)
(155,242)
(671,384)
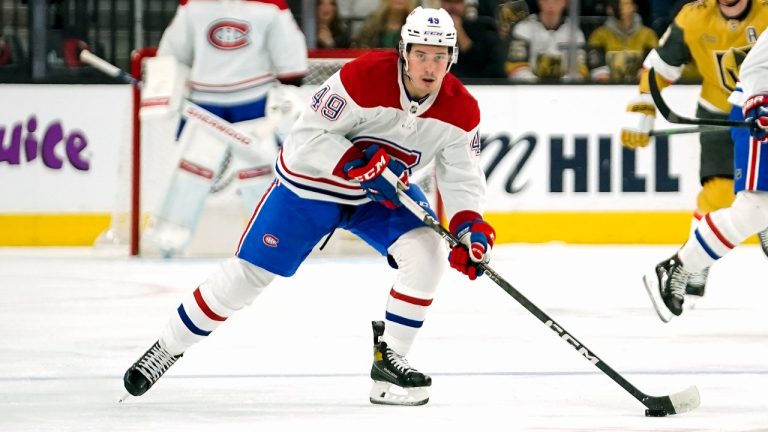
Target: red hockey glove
(756,109)
(476,239)
(368,172)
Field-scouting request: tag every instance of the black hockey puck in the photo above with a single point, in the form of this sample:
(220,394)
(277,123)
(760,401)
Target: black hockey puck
(655,413)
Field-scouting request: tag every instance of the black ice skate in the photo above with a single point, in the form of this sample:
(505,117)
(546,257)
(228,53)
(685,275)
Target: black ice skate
(395,382)
(697,284)
(148,369)
(763,236)
(666,287)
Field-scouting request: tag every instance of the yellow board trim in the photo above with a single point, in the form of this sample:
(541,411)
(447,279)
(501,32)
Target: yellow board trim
(52,229)
(518,227)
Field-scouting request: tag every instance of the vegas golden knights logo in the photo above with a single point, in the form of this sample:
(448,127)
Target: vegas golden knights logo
(624,65)
(549,66)
(730,62)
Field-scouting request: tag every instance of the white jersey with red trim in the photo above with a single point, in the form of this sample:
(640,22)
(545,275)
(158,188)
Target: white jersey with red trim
(754,71)
(365,103)
(236,49)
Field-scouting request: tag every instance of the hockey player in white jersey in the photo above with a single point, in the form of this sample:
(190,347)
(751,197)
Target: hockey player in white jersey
(383,111)
(720,231)
(237,52)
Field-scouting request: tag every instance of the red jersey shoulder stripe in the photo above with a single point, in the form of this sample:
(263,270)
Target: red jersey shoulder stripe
(454,105)
(371,79)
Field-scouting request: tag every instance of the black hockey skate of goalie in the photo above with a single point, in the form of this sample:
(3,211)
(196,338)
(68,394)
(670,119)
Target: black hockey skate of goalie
(395,382)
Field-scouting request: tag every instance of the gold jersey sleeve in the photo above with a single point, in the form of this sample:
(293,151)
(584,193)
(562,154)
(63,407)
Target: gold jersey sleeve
(717,44)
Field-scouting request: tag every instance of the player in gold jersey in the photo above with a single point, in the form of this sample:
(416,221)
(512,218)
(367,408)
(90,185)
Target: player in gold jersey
(715,34)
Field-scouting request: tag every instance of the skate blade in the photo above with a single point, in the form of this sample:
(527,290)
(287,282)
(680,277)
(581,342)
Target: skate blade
(652,287)
(384,393)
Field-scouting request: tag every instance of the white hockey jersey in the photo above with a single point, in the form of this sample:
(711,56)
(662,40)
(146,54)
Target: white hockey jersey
(544,50)
(236,49)
(754,70)
(365,103)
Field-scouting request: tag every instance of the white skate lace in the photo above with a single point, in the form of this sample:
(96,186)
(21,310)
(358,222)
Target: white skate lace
(155,362)
(678,280)
(699,279)
(399,362)
(763,236)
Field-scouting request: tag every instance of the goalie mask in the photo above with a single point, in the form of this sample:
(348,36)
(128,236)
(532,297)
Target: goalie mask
(426,26)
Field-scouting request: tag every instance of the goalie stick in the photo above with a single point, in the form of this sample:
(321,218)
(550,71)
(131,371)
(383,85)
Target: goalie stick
(229,135)
(225,130)
(657,406)
(673,117)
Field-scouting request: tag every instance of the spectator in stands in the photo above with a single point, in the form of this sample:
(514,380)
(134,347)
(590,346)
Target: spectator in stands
(480,54)
(540,46)
(331,31)
(382,28)
(617,48)
(355,11)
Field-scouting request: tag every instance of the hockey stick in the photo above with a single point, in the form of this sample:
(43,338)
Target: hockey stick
(680,131)
(657,406)
(673,117)
(225,130)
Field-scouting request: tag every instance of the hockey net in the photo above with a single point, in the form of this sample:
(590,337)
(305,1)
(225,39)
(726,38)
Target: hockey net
(152,159)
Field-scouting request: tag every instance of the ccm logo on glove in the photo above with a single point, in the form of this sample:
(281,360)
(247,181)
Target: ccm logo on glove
(373,169)
(368,169)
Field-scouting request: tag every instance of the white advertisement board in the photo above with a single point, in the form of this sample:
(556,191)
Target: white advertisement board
(548,151)
(60,147)
(558,148)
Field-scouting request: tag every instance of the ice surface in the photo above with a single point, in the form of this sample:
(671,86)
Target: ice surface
(72,321)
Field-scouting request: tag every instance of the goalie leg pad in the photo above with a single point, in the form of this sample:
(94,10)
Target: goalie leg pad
(182,205)
(255,168)
(421,258)
(236,284)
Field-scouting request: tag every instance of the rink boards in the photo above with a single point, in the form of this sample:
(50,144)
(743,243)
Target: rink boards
(555,167)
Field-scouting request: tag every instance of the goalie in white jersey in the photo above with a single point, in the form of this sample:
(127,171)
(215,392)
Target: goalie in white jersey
(721,230)
(237,52)
(384,111)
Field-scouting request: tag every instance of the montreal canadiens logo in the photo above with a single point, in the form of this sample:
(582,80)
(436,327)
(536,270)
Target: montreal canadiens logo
(270,240)
(229,34)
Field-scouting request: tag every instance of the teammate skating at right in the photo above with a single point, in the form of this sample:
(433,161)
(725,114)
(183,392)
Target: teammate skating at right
(713,34)
(720,231)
